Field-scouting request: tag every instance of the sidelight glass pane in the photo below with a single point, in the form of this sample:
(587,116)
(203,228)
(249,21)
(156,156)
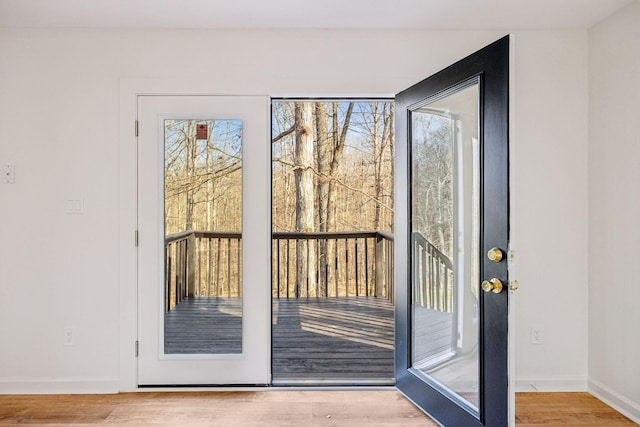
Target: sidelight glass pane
(203,236)
(445,243)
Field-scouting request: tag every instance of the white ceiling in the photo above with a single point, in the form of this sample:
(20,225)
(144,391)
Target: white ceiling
(344,14)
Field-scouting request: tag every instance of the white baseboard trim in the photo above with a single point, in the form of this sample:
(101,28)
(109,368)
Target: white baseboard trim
(59,385)
(614,399)
(555,384)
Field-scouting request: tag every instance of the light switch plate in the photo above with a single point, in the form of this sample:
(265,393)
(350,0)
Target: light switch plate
(74,206)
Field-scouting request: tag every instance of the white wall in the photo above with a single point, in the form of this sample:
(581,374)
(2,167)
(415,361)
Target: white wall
(614,210)
(549,203)
(59,107)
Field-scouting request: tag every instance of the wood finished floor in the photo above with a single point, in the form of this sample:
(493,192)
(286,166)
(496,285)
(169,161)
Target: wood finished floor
(566,409)
(282,408)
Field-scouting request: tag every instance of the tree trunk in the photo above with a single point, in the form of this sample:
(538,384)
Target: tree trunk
(305,253)
(339,139)
(191,172)
(323,159)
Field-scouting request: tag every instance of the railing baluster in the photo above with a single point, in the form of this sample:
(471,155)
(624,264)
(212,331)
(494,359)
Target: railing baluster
(239,264)
(356,262)
(218,284)
(167,277)
(177,273)
(288,258)
(320,283)
(346,257)
(210,267)
(390,272)
(183,272)
(278,266)
(366,265)
(336,271)
(197,290)
(426,283)
(306,246)
(326,270)
(229,267)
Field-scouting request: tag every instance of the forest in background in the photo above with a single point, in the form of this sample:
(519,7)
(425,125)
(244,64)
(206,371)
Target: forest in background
(332,165)
(332,171)
(203,175)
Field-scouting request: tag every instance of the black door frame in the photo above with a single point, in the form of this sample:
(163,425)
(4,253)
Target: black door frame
(491,66)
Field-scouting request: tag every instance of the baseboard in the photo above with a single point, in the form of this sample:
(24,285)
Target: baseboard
(614,399)
(555,384)
(58,386)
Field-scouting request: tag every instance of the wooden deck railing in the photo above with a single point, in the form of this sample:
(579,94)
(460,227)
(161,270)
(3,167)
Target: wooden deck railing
(202,263)
(208,263)
(432,276)
(334,264)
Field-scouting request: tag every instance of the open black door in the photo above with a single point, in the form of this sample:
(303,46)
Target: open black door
(452,233)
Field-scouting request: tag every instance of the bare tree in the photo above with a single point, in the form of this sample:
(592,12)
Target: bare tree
(303,172)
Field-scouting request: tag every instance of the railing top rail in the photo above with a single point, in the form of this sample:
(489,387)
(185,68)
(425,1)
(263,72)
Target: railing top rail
(385,234)
(329,235)
(219,234)
(280,235)
(202,233)
(177,236)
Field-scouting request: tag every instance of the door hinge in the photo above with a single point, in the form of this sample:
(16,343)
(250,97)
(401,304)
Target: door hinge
(137,349)
(136,238)
(136,128)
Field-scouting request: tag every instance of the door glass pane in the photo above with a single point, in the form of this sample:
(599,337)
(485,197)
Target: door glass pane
(203,236)
(445,243)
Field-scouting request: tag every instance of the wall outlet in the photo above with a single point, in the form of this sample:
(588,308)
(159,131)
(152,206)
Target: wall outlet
(537,337)
(8,174)
(69,336)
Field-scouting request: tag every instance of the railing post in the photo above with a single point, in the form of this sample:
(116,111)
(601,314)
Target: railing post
(167,278)
(379,266)
(191,265)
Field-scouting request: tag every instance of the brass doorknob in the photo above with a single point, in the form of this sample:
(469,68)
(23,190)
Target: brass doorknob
(495,254)
(494,285)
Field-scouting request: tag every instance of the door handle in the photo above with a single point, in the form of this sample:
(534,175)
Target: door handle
(494,285)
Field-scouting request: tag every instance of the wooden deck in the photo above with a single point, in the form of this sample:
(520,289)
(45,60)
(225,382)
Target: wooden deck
(343,340)
(433,333)
(204,326)
(348,340)
(337,340)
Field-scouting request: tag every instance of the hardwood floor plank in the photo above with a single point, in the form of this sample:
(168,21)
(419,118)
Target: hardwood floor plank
(561,409)
(282,408)
(271,408)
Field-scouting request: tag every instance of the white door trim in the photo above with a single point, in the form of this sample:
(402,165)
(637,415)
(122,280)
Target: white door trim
(130,89)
